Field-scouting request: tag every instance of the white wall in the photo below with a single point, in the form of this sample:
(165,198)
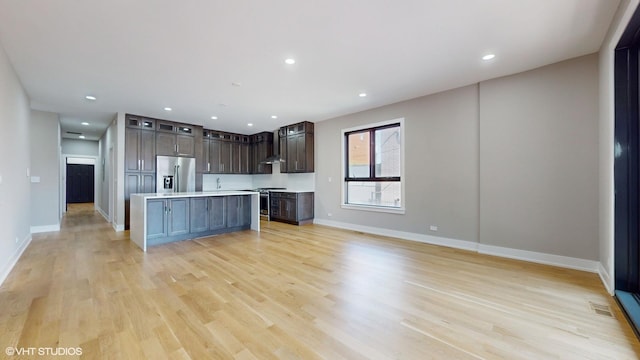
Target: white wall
(538,160)
(79,147)
(606,137)
(15,188)
(118,174)
(105,176)
(516,154)
(45,171)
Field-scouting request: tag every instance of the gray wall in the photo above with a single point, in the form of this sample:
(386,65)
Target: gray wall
(606,213)
(80,147)
(441,157)
(15,187)
(538,160)
(511,162)
(45,164)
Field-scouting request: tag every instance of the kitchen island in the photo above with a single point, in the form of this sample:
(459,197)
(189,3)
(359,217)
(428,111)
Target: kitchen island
(163,218)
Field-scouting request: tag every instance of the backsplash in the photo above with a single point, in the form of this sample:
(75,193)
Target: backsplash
(294,182)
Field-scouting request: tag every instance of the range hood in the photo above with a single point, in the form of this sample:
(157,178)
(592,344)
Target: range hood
(272,160)
(276,158)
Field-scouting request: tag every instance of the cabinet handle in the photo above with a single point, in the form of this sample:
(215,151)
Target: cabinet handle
(139,167)
(296,164)
(178,148)
(208,167)
(142,168)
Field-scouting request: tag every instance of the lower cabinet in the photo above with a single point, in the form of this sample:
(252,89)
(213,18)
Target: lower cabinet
(208,213)
(167,217)
(134,183)
(187,218)
(291,207)
(238,211)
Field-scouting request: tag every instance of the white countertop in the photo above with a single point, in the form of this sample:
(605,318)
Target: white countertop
(195,194)
(292,191)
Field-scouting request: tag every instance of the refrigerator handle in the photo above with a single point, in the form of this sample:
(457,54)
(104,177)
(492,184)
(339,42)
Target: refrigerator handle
(176,176)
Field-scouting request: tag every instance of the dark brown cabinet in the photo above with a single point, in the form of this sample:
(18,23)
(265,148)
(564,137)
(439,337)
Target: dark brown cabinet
(204,165)
(139,158)
(240,151)
(291,207)
(297,147)
(261,148)
(173,139)
(140,122)
(226,153)
(140,150)
(219,153)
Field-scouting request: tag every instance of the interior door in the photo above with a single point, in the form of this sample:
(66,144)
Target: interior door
(80,183)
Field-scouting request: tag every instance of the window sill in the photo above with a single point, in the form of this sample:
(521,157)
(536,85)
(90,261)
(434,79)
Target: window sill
(374,208)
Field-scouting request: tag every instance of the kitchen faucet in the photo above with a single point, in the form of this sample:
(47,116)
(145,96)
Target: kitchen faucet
(218,184)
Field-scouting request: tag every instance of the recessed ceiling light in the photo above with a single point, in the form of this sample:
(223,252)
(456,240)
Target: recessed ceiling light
(290,61)
(236,83)
(488,57)
(362,94)
(250,124)
(84,123)
(214,118)
(274,116)
(81,136)
(168,109)
(91,97)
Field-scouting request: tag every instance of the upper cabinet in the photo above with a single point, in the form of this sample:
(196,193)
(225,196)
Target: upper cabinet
(140,144)
(226,153)
(261,149)
(173,139)
(297,148)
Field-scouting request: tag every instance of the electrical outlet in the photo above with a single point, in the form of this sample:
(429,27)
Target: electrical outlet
(329,214)
(433,228)
(17,239)
(330,179)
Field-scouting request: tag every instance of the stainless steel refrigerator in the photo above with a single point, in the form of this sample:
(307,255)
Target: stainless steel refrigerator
(175,174)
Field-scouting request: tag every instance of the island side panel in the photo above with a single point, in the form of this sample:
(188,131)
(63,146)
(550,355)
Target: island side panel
(255,212)
(138,226)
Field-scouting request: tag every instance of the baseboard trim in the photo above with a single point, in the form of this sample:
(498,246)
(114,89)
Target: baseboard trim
(427,239)
(540,258)
(606,279)
(524,255)
(118,227)
(104,215)
(6,270)
(45,228)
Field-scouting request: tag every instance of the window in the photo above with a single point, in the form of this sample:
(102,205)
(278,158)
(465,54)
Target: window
(373,166)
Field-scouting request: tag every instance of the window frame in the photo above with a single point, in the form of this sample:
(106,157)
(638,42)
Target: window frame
(372,178)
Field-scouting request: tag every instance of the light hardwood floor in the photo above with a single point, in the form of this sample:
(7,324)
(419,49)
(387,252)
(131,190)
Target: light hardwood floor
(293,292)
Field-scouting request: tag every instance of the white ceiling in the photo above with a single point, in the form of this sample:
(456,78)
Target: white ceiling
(139,56)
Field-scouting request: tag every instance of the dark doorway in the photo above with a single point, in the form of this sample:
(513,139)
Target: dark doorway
(627,171)
(80,183)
